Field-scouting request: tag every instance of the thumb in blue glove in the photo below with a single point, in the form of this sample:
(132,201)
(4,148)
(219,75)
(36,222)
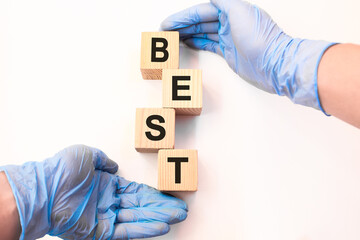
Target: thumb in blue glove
(75,195)
(254,47)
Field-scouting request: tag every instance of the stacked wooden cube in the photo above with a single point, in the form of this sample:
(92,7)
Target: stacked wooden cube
(181,95)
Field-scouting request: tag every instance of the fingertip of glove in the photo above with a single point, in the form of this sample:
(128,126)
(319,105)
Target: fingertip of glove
(163,228)
(165,25)
(113,167)
(103,162)
(181,216)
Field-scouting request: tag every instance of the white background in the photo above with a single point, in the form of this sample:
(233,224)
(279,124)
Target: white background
(268,169)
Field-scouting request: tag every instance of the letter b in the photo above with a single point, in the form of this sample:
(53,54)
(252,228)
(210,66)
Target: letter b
(159,50)
(162,49)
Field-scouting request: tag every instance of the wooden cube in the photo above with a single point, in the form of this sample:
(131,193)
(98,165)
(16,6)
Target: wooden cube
(159,50)
(155,129)
(182,90)
(177,170)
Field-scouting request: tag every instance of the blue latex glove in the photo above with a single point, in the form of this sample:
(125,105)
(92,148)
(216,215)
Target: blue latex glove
(75,195)
(254,47)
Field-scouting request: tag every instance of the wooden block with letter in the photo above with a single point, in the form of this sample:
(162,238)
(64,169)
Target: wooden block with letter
(177,170)
(155,129)
(159,50)
(182,90)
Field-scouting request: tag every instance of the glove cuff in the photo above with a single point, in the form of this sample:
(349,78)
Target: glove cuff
(316,76)
(31,198)
(297,66)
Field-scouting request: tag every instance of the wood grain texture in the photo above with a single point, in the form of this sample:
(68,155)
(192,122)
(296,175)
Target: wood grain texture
(142,142)
(183,107)
(153,70)
(189,170)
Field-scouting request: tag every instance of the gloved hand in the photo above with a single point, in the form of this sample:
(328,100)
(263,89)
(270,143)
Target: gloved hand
(254,47)
(75,195)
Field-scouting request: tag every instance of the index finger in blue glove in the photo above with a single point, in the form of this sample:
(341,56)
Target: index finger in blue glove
(127,186)
(204,44)
(134,200)
(135,195)
(139,230)
(207,27)
(205,12)
(211,36)
(170,215)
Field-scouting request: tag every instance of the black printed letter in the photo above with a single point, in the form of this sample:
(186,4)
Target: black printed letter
(178,161)
(162,49)
(155,127)
(176,87)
